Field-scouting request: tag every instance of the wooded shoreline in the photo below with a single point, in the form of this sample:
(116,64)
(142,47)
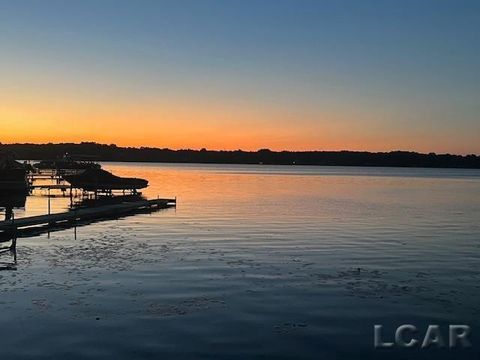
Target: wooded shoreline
(102,152)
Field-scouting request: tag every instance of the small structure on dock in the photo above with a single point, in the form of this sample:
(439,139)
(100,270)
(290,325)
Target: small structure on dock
(91,179)
(12,175)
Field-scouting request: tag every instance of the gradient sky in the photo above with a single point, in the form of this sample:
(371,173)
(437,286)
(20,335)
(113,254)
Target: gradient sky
(228,74)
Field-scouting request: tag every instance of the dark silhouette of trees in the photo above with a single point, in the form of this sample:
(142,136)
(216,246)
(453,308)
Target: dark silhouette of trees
(103,152)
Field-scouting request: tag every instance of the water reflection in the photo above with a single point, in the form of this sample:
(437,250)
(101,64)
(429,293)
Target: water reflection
(290,264)
(88,202)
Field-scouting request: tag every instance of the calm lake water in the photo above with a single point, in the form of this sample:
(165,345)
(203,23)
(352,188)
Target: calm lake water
(265,262)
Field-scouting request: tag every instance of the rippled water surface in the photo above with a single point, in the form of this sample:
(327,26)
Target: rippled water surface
(255,262)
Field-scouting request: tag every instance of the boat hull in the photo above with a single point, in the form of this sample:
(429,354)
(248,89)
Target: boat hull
(93,186)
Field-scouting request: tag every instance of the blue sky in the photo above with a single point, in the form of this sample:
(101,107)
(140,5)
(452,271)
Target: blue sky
(400,74)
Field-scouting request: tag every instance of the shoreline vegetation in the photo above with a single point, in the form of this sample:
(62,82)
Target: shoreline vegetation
(103,152)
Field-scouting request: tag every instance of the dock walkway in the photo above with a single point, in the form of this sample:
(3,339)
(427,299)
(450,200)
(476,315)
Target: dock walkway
(11,227)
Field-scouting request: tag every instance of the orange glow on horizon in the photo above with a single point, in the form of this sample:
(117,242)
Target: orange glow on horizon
(196,125)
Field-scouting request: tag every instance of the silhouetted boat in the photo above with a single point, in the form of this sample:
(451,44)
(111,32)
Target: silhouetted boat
(12,175)
(102,180)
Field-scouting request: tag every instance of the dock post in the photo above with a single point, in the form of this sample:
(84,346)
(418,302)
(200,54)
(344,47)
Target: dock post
(49,201)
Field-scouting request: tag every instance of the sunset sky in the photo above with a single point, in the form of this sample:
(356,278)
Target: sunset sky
(228,74)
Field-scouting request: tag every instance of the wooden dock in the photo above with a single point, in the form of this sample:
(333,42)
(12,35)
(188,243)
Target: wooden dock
(12,227)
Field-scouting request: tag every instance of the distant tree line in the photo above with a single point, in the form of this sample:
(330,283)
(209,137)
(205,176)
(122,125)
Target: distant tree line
(102,152)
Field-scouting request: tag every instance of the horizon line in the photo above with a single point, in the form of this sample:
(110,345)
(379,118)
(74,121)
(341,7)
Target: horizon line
(239,149)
